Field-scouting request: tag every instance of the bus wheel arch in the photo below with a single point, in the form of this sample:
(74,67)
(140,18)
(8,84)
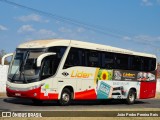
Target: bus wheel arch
(66,96)
(132,95)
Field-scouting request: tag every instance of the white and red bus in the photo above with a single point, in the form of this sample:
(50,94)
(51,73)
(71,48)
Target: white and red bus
(67,70)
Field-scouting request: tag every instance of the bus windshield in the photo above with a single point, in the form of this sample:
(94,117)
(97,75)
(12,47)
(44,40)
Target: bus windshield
(23,66)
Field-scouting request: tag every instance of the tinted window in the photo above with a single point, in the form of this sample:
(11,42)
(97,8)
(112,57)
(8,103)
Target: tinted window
(152,64)
(122,61)
(108,60)
(48,68)
(143,63)
(136,63)
(59,50)
(115,61)
(74,58)
(50,63)
(92,58)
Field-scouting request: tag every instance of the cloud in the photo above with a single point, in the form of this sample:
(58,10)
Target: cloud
(72,32)
(64,30)
(150,2)
(147,3)
(147,38)
(68,30)
(33,33)
(80,29)
(32,17)
(3,28)
(144,39)
(126,38)
(45,33)
(25,28)
(57,22)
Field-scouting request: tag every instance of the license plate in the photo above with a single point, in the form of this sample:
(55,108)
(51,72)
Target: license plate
(17,94)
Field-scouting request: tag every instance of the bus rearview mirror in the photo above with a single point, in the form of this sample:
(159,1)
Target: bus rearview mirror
(5,56)
(41,57)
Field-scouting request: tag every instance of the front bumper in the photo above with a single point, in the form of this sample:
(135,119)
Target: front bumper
(31,94)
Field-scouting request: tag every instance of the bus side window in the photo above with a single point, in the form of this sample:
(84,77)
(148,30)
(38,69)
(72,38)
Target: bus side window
(148,64)
(153,64)
(108,60)
(145,64)
(122,61)
(130,62)
(74,58)
(138,63)
(93,58)
(59,50)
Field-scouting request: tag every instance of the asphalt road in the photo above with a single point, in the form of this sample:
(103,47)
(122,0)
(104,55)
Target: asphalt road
(17,104)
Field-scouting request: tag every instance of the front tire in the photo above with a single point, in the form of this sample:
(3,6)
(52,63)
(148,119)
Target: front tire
(65,97)
(131,97)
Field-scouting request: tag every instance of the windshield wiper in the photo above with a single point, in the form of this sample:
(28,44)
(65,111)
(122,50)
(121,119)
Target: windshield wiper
(22,66)
(18,69)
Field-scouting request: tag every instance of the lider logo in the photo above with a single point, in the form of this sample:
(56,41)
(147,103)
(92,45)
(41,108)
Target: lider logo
(128,75)
(80,74)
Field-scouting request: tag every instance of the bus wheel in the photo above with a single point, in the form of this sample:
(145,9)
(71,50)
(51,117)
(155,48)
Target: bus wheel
(65,97)
(131,97)
(37,102)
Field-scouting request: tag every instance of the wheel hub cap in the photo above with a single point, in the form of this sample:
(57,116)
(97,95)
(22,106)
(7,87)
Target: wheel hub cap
(65,97)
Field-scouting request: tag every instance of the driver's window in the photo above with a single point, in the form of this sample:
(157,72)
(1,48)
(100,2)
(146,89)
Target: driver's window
(47,69)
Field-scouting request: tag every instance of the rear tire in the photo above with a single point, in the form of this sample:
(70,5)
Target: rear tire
(131,97)
(65,97)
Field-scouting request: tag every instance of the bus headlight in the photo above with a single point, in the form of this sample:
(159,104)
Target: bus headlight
(36,86)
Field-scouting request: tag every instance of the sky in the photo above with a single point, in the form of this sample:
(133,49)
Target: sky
(128,24)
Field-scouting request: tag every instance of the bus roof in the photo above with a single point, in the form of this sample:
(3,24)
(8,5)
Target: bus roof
(80,44)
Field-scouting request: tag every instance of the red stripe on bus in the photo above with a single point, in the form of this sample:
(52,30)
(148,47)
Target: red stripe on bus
(88,94)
